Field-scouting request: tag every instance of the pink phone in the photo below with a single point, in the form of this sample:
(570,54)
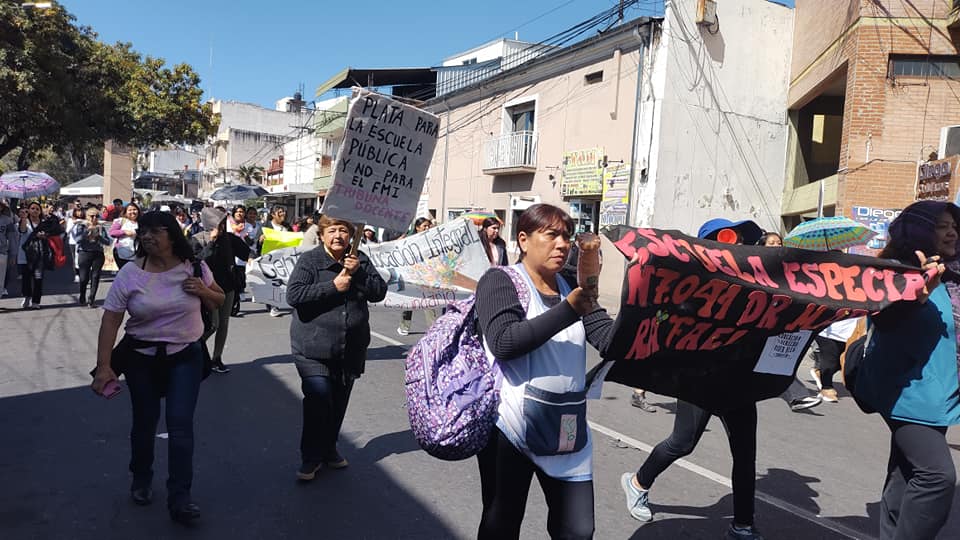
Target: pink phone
(111,389)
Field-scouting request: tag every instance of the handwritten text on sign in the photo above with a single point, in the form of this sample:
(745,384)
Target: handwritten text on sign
(382,163)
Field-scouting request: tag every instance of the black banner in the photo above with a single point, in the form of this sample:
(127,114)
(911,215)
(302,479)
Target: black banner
(722,325)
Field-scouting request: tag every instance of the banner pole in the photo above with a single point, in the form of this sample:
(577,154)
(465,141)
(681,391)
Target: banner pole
(357,237)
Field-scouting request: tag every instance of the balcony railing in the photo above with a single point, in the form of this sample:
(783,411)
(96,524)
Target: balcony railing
(513,153)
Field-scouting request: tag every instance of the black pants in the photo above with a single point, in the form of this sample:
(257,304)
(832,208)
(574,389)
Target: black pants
(325,402)
(505,475)
(89,265)
(829,363)
(688,426)
(31,283)
(240,280)
(920,483)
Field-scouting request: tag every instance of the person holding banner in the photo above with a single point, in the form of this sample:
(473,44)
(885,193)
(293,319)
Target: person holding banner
(909,374)
(406,318)
(690,422)
(541,350)
(277,222)
(329,289)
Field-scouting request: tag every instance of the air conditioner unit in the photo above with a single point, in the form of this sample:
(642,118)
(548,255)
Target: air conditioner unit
(707,12)
(949,141)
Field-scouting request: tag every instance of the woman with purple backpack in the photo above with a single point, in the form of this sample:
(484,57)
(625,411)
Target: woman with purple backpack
(541,351)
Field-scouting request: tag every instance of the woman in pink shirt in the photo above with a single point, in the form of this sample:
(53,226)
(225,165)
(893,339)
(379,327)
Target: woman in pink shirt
(160,354)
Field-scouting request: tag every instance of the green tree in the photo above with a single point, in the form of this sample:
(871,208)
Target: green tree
(62,89)
(250,174)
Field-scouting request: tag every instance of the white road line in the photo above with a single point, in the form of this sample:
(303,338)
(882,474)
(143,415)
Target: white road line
(724,481)
(389,341)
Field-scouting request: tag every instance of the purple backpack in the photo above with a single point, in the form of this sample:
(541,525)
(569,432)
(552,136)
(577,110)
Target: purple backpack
(452,391)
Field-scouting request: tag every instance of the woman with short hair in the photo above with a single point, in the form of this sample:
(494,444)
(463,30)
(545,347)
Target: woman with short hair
(35,256)
(90,237)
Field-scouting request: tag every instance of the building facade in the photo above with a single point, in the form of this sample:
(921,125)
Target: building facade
(873,85)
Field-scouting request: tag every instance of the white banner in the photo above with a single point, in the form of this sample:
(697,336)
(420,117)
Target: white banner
(382,163)
(423,271)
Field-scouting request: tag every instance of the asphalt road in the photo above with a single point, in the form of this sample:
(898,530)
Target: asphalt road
(64,453)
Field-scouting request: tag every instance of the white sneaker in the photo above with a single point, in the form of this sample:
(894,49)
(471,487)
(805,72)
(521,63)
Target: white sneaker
(25,304)
(76,278)
(403,331)
(274,312)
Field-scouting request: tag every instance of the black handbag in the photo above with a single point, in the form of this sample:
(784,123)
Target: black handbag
(205,313)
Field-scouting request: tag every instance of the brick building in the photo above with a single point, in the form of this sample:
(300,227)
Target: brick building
(873,82)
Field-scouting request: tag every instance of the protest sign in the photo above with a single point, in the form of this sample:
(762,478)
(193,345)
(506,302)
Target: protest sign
(382,163)
(423,271)
(430,269)
(696,316)
(274,239)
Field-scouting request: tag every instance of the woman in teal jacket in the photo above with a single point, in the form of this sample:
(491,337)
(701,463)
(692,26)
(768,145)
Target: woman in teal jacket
(909,375)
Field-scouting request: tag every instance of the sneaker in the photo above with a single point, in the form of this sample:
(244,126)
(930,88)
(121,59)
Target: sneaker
(744,533)
(274,312)
(636,498)
(220,368)
(25,304)
(3,293)
(805,403)
(639,402)
(829,394)
(815,377)
(403,331)
(336,462)
(308,471)
(76,279)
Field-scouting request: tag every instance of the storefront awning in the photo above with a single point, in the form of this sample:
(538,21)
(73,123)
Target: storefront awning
(407,82)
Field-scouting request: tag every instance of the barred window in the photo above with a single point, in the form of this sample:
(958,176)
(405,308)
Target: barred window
(943,66)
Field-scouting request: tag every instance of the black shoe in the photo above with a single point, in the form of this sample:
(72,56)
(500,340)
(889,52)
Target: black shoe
(336,462)
(142,496)
(185,513)
(82,300)
(218,367)
(307,471)
(92,304)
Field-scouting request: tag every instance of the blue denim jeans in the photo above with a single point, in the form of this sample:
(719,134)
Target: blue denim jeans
(324,406)
(147,377)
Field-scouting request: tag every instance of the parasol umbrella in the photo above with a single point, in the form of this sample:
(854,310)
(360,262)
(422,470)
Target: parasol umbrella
(240,192)
(479,216)
(826,233)
(27,184)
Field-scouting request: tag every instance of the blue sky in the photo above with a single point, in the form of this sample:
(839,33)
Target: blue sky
(259,51)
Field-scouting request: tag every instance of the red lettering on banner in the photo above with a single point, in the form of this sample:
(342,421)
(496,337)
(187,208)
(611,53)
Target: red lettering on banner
(689,342)
(677,324)
(701,253)
(770,318)
(645,343)
(870,275)
(789,272)
(662,292)
(727,256)
(639,282)
(726,300)
(716,258)
(854,293)
(763,278)
(833,276)
(892,293)
(715,341)
(684,289)
(817,287)
(709,294)
(625,244)
(914,284)
(756,305)
(807,319)
(656,245)
(672,246)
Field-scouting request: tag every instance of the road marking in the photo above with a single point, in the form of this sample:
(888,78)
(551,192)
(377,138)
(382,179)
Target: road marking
(724,481)
(389,341)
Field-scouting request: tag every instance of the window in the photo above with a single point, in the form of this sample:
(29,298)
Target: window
(470,61)
(593,78)
(942,66)
(521,117)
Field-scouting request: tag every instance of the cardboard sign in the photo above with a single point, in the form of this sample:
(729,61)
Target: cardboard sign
(696,316)
(382,163)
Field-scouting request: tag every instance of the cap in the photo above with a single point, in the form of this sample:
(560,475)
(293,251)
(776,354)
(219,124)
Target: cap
(749,231)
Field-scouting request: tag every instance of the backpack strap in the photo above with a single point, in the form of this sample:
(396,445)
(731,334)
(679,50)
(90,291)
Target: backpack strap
(520,284)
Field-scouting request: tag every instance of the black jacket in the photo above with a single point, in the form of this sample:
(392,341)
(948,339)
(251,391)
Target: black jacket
(219,256)
(330,330)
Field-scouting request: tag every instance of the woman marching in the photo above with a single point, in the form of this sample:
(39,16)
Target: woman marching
(90,237)
(329,289)
(35,256)
(237,225)
(493,245)
(160,353)
(541,350)
(909,375)
(124,230)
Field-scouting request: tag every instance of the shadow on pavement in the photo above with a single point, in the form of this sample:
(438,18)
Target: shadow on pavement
(66,477)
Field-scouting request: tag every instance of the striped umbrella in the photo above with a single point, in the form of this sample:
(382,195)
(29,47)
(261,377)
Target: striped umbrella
(479,216)
(27,184)
(824,234)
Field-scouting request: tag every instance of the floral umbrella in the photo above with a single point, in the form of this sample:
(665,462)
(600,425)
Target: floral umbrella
(479,216)
(824,234)
(27,184)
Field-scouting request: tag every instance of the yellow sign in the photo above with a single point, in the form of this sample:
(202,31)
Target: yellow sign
(274,239)
(583,173)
